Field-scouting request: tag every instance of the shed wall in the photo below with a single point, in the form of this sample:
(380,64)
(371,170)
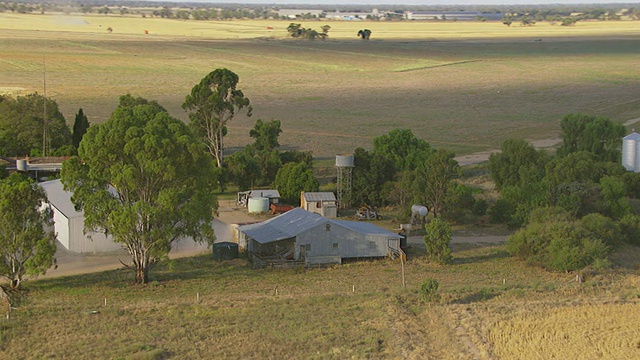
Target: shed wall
(350,243)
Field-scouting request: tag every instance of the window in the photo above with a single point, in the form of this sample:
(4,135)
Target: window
(335,246)
(327,227)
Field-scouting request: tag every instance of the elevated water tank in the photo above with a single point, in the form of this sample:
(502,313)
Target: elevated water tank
(419,210)
(258,205)
(344,161)
(630,152)
(21,165)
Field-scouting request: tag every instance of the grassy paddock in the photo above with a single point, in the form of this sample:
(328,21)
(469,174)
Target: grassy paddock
(464,86)
(491,306)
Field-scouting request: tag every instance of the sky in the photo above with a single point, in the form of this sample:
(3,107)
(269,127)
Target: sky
(418,2)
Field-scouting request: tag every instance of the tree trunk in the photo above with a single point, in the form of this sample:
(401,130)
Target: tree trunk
(4,295)
(142,275)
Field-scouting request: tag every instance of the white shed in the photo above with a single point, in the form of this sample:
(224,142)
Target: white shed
(69,223)
(323,203)
(300,235)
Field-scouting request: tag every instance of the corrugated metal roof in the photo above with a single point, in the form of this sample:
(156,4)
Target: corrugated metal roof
(264,193)
(298,220)
(319,196)
(366,228)
(60,199)
(632,136)
(284,226)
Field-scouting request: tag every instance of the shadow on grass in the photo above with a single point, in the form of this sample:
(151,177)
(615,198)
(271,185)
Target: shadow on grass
(478,296)
(499,254)
(188,268)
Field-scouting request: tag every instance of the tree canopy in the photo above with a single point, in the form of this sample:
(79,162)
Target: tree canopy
(517,163)
(27,249)
(143,178)
(212,104)
(80,127)
(22,124)
(294,178)
(598,135)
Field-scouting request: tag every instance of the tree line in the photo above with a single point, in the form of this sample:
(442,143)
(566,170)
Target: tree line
(32,125)
(573,207)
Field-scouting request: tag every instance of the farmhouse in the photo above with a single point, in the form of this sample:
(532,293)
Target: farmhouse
(323,203)
(300,236)
(69,223)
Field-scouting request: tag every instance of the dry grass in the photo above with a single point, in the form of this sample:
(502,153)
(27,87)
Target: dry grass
(463,86)
(492,306)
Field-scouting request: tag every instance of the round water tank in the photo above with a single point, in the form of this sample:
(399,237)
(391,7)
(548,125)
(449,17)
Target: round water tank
(258,204)
(419,210)
(21,165)
(344,161)
(225,251)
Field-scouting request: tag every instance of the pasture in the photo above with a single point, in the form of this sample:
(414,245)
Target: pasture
(462,86)
(491,307)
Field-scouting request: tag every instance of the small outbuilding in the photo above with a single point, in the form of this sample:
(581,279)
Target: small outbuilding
(300,236)
(323,203)
(68,223)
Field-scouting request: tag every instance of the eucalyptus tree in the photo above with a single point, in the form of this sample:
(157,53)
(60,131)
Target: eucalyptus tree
(27,246)
(143,178)
(212,104)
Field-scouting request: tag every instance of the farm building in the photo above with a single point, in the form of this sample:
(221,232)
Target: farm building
(273,196)
(69,223)
(323,203)
(69,226)
(304,237)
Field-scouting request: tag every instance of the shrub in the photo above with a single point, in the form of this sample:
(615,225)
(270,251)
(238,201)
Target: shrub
(573,253)
(429,289)
(602,228)
(502,211)
(437,240)
(630,228)
(479,207)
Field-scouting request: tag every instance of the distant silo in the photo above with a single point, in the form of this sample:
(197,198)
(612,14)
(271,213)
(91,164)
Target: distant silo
(631,152)
(345,164)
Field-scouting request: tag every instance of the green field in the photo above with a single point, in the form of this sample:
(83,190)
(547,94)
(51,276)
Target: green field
(462,86)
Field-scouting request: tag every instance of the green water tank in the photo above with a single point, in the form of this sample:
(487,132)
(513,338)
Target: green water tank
(225,251)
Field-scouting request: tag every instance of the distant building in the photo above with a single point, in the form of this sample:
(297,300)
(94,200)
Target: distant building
(299,13)
(347,16)
(451,15)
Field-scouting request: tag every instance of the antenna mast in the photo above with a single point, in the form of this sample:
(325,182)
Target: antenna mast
(44,108)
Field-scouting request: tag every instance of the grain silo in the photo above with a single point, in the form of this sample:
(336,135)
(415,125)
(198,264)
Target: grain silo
(345,165)
(631,152)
